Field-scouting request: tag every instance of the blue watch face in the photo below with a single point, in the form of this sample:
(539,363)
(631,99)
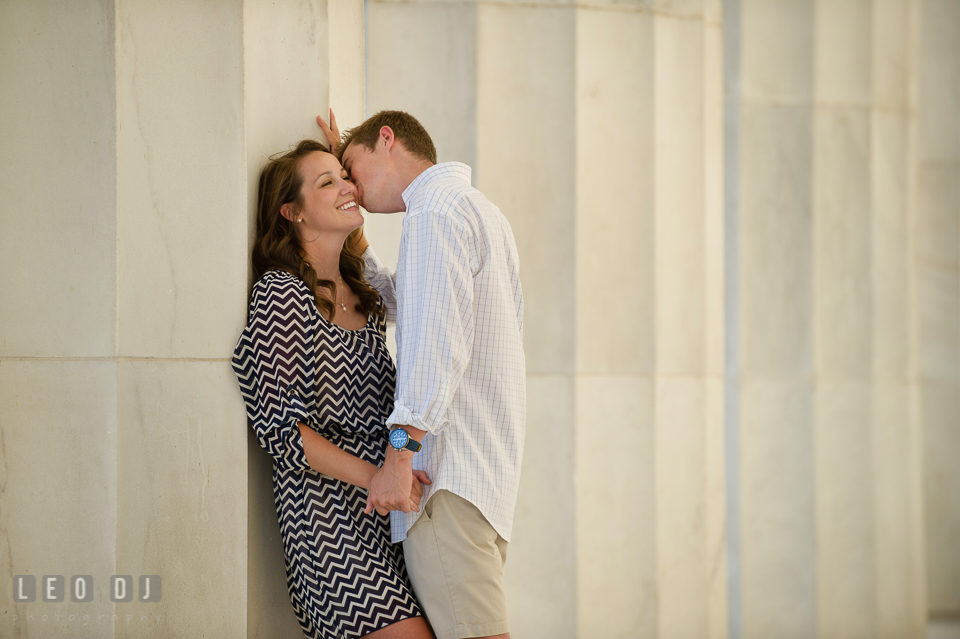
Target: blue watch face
(399,438)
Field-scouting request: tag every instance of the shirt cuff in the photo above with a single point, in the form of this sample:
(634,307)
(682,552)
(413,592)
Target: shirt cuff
(403,416)
(293,410)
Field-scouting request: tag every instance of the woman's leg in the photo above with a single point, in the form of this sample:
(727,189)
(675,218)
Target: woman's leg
(412,628)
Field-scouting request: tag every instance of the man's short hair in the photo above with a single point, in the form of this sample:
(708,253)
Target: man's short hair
(405,128)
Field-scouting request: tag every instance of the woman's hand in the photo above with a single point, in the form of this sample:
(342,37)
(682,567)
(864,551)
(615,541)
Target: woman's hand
(416,490)
(395,486)
(332,132)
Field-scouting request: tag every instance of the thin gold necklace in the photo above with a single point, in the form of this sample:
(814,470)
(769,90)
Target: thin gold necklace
(342,305)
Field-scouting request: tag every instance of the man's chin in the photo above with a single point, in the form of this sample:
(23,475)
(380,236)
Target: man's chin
(373,207)
(378,212)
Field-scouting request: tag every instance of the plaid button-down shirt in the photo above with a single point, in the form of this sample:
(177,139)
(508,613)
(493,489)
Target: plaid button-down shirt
(458,305)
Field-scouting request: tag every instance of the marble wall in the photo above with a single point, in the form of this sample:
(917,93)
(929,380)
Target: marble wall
(58,371)
(181,442)
(831,535)
(936,290)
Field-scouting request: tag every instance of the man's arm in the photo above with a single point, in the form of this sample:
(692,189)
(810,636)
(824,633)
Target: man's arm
(435,315)
(396,483)
(383,280)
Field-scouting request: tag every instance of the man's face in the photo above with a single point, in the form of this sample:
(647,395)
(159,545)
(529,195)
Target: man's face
(370,172)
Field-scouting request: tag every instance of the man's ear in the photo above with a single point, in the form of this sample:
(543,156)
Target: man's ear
(386,137)
(286,210)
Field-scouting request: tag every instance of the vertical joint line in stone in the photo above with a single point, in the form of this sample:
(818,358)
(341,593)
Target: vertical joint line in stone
(731,205)
(117,35)
(366,60)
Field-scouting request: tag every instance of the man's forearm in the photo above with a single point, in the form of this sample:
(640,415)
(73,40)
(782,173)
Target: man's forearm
(415,433)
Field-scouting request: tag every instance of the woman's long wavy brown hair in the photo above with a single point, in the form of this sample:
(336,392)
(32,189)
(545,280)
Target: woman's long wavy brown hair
(277,247)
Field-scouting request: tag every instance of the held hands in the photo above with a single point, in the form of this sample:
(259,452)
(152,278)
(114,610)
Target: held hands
(396,486)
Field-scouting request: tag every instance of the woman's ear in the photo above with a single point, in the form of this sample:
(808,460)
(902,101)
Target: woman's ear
(286,210)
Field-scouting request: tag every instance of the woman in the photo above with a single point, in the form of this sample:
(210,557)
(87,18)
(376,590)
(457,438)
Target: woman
(318,382)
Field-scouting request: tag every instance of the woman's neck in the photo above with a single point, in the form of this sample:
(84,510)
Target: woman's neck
(323,254)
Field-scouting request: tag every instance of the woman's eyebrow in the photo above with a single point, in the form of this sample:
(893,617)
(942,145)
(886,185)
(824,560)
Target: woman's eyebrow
(321,175)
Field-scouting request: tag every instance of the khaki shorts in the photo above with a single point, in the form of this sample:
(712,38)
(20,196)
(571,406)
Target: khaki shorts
(455,561)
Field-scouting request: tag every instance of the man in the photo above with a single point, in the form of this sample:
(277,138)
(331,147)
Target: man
(460,373)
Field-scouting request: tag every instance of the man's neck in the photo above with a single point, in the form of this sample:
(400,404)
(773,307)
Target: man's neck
(411,171)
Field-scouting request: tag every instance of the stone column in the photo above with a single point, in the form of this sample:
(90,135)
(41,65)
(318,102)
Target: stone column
(649,329)
(828,448)
(181,439)
(774,338)
(136,131)
(936,249)
(58,367)
(570,115)
(896,432)
(527,164)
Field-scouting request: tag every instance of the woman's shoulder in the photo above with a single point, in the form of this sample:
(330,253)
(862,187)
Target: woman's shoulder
(282,287)
(278,280)
(380,315)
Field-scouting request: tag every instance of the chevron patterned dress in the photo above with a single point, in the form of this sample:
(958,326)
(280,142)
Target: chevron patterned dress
(344,576)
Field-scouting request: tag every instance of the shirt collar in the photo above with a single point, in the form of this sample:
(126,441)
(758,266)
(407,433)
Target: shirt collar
(455,170)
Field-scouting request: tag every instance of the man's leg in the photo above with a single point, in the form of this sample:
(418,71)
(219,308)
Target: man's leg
(455,561)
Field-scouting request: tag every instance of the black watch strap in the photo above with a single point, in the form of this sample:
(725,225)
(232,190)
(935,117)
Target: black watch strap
(402,435)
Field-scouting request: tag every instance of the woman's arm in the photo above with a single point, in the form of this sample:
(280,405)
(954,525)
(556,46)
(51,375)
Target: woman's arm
(335,462)
(274,363)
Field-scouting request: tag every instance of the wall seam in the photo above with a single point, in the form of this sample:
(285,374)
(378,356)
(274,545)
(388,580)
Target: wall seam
(575,378)
(116,291)
(731,410)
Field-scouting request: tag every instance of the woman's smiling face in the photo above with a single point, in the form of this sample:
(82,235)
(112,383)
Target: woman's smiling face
(329,199)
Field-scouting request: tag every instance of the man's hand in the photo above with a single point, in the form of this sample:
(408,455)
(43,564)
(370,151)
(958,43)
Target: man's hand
(332,132)
(396,486)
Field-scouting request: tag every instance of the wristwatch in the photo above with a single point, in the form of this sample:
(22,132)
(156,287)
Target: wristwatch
(400,440)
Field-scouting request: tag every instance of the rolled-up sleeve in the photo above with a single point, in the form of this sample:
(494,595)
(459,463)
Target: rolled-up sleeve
(273,362)
(436,319)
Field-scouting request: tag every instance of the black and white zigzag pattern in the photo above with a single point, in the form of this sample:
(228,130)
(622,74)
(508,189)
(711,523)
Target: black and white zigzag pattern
(344,576)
